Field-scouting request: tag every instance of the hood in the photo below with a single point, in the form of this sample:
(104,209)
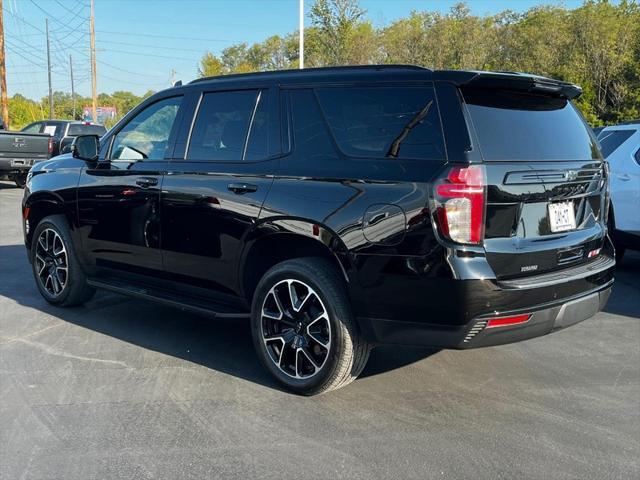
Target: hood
(61,161)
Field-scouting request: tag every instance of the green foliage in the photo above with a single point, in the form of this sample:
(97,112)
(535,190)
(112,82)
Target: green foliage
(596,46)
(23,111)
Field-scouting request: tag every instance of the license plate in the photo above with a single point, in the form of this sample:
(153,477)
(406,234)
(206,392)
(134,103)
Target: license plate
(562,216)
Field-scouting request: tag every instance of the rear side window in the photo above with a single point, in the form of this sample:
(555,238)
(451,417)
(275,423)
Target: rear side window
(524,126)
(612,139)
(76,129)
(379,122)
(53,129)
(33,128)
(230,126)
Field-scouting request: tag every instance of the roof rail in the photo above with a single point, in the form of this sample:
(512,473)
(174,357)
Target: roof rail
(311,70)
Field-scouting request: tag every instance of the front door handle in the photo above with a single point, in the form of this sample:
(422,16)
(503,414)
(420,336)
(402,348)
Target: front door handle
(241,188)
(146,182)
(625,177)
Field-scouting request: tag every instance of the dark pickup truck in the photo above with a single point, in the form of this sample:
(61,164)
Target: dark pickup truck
(20,150)
(64,131)
(39,141)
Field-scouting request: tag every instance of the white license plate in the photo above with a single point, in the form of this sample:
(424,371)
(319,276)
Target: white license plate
(562,217)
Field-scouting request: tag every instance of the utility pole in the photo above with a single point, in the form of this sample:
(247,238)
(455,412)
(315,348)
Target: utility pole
(4,99)
(46,26)
(301,36)
(94,87)
(73,91)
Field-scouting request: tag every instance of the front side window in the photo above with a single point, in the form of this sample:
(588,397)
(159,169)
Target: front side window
(379,122)
(230,126)
(146,136)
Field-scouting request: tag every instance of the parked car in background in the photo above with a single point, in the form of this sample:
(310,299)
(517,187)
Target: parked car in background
(64,131)
(620,145)
(338,209)
(19,151)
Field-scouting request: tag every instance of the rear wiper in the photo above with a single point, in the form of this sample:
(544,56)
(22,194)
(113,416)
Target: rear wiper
(394,149)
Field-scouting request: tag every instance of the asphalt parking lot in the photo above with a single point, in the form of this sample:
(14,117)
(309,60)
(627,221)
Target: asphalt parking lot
(121,388)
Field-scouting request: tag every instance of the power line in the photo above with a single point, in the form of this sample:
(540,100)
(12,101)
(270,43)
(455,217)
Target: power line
(17,52)
(164,36)
(161,47)
(102,75)
(102,62)
(51,17)
(18,17)
(153,55)
(75,14)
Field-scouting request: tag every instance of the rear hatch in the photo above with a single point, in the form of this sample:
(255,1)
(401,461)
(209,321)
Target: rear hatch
(545,197)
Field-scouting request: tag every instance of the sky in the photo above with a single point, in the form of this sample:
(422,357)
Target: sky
(143,44)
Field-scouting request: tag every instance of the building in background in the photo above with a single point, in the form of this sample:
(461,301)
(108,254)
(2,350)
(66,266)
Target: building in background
(104,114)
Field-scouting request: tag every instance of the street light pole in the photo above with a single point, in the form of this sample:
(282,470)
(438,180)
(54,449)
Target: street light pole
(301,36)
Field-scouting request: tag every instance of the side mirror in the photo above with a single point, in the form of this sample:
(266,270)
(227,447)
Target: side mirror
(85,147)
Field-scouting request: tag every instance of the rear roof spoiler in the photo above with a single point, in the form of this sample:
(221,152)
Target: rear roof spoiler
(511,81)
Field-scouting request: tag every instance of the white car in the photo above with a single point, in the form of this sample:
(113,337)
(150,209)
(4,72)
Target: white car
(620,145)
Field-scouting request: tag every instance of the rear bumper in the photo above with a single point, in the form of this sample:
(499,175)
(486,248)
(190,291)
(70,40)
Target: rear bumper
(552,307)
(16,165)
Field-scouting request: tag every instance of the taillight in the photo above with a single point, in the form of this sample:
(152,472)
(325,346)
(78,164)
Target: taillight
(460,204)
(50,146)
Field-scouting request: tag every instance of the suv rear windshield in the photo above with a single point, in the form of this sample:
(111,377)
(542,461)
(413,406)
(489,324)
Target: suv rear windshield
(76,129)
(375,122)
(610,140)
(525,126)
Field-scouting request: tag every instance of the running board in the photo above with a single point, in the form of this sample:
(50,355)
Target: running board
(197,305)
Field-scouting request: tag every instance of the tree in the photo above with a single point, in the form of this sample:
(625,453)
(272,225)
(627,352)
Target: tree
(210,66)
(342,36)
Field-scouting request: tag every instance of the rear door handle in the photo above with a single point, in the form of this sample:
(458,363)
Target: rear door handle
(146,182)
(625,177)
(241,188)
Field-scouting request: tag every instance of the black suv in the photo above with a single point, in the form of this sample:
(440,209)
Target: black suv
(338,208)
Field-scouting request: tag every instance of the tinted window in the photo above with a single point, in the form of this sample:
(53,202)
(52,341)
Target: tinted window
(612,139)
(76,129)
(146,136)
(384,121)
(525,126)
(222,125)
(310,133)
(637,156)
(258,141)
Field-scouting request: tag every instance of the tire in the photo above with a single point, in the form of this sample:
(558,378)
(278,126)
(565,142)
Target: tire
(316,348)
(56,269)
(19,179)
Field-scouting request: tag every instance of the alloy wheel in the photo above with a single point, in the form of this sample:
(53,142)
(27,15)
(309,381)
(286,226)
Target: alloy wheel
(296,330)
(51,262)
